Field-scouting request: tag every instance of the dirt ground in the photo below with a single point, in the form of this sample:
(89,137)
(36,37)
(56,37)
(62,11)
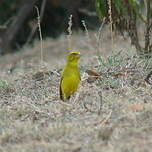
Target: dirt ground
(111,111)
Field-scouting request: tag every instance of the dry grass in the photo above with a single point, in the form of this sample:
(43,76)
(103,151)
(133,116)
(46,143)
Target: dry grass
(110,114)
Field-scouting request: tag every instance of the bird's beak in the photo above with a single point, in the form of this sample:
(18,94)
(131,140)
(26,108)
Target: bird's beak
(79,55)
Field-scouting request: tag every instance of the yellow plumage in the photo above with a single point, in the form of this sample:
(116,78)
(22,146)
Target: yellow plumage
(70,78)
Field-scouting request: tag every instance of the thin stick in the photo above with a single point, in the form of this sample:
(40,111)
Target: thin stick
(99,36)
(35,27)
(86,31)
(69,36)
(111,21)
(147,35)
(40,34)
(101,104)
(106,119)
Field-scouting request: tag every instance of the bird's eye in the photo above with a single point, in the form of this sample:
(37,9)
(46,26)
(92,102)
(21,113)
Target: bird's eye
(74,53)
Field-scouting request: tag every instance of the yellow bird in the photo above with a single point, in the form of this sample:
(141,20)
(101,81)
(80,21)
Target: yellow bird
(70,78)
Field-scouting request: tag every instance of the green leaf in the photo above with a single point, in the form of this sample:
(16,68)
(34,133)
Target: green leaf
(118,6)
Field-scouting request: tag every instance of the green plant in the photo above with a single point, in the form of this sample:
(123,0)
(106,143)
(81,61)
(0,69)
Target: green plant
(3,84)
(125,17)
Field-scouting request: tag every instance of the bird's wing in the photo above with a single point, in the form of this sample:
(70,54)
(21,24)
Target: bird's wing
(60,90)
(79,76)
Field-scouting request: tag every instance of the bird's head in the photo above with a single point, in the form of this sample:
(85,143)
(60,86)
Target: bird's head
(73,56)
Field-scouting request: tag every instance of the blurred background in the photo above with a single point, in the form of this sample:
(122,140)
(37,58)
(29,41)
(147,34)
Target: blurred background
(19,20)
(130,19)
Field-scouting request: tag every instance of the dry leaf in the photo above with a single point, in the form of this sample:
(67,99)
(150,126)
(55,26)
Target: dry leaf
(40,75)
(120,74)
(136,107)
(92,73)
(142,84)
(93,76)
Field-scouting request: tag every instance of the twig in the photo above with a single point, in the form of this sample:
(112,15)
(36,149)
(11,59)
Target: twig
(87,12)
(147,35)
(110,19)
(40,34)
(69,36)
(99,36)
(86,31)
(106,119)
(87,35)
(100,106)
(41,16)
